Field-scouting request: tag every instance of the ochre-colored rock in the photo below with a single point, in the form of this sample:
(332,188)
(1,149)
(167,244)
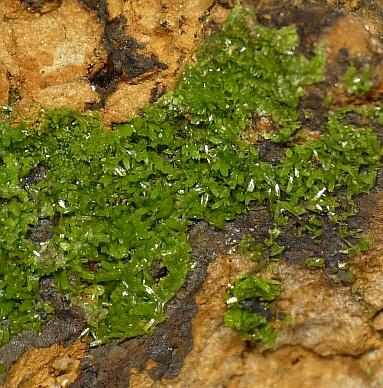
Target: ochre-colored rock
(56,366)
(349,34)
(46,56)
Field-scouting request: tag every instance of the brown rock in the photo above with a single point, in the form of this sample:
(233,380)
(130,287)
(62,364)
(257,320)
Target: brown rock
(326,319)
(4,85)
(297,367)
(47,55)
(348,33)
(369,267)
(115,7)
(50,51)
(55,366)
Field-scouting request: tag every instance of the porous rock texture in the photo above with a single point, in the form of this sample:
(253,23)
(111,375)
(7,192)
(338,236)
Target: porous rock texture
(52,51)
(44,57)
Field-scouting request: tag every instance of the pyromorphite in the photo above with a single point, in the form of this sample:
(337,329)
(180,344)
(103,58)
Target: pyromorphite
(106,214)
(248,311)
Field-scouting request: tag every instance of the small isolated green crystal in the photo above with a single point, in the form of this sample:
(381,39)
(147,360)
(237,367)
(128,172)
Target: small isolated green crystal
(358,82)
(248,308)
(315,262)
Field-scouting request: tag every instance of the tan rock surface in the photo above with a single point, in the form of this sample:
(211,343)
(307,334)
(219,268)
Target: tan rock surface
(47,54)
(328,319)
(348,33)
(369,283)
(56,366)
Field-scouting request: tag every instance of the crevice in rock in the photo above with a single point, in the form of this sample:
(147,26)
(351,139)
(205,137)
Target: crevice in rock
(125,60)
